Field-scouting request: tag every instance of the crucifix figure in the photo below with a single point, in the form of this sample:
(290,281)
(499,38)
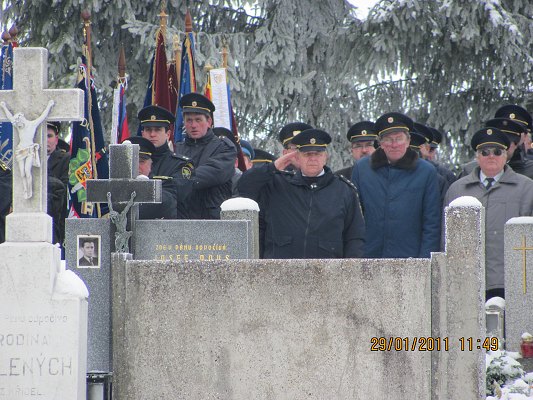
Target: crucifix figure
(27,100)
(122,192)
(27,152)
(120,219)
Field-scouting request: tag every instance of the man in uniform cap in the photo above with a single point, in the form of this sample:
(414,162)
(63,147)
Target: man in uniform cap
(516,156)
(301,220)
(262,157)
(426,151)
(247,153)
(399,193)
(213,158)
(176,169)
(504,194)
(363,142)
(289,132)
(168,208)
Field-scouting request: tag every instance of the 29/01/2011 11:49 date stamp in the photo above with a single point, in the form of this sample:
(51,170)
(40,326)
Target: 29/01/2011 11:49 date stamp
(432,343)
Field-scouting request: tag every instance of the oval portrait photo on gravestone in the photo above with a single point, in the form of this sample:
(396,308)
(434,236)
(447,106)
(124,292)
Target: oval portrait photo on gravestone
(88,251)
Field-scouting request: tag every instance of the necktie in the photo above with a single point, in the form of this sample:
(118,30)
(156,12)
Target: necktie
(490,182)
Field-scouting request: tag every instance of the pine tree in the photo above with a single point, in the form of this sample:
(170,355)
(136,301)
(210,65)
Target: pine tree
(449,63)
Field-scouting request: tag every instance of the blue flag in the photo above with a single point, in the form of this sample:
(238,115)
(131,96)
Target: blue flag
(187,81)
(88,154)
(6,83)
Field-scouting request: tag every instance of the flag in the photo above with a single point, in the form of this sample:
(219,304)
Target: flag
(119,129)
(6,83)
(217,90)
(158,91)
(88,154)
(187,80)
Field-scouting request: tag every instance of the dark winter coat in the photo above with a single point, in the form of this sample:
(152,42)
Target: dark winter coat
(401,203)
(511,196)
(214,165)
(306,220)
(58,165)
(175,172)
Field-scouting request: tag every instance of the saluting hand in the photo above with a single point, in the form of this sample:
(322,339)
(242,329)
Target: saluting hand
(286,160)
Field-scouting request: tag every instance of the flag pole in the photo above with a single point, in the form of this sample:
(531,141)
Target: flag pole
(240,155)
(86,16)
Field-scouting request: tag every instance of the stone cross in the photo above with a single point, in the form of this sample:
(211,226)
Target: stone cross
(31,97)
(122,183)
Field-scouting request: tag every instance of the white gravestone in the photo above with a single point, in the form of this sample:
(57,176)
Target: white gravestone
(43,307)
(518,280)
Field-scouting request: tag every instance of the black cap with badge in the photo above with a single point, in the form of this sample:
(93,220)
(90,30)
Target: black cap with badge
(362,131)
(489,137)
(289,131)
(155,116)
(393,122)
(146,148)
(196,103)
(312,140)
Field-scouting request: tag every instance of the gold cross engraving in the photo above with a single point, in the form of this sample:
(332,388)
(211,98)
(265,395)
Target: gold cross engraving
(524,248)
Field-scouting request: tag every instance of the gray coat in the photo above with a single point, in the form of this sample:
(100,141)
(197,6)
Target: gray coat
(511,196)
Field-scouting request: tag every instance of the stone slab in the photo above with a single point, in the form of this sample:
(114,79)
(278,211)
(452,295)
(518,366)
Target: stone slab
(43,331)
(188,240)
(518,280)
(254,329)
(98,281)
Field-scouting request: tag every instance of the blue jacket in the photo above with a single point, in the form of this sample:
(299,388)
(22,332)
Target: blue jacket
(303,219)
(401,204)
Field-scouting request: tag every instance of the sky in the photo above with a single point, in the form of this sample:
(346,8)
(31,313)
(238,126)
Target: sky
(362,6)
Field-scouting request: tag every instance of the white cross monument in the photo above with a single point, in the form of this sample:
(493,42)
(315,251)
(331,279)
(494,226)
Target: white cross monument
(43,307)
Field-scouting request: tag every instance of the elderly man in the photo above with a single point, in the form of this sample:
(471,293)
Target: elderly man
(174,170)
(310,213)
(213,158)
(363,142)
(504,194)
(399,193)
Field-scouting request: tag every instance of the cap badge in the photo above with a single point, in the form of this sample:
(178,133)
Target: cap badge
(489,131)
(363,132)
(194,103)
(294,133)
(512,116)
(153,117)
(312,141)
(390,120)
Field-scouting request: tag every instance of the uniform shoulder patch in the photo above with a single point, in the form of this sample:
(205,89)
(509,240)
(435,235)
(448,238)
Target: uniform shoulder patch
(180,157)
(348,182)
(287,172)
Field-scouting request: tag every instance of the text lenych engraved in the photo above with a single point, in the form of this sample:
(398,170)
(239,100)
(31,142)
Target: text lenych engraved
(42,365)
(524,249)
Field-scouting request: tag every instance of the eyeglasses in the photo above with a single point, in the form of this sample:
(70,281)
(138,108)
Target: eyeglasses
(488,152)
(363,145)
(388,141)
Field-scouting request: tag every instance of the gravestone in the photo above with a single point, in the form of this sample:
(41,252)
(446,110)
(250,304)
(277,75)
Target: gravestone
(518,280)
(123,168)
(43,307)
(304,329)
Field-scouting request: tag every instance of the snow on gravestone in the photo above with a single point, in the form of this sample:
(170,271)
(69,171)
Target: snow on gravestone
(43,307)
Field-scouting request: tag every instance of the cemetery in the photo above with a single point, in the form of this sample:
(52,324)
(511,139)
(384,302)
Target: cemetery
(186,309)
